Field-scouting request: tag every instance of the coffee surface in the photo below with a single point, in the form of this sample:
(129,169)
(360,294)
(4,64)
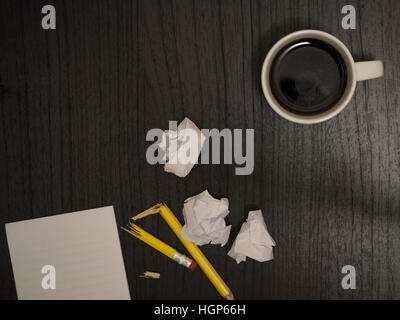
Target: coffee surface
(308,76)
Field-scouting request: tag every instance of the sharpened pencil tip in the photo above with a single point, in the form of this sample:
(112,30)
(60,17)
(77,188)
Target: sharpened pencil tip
(229,296)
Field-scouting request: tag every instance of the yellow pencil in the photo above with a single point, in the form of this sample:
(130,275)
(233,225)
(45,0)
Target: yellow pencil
(162,247)
(194,250)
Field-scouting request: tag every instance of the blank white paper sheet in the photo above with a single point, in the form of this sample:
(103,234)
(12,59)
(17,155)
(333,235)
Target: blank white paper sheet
(82,246)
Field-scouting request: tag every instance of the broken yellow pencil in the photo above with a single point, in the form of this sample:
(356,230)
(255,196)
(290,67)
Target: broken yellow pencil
(194,250)
(157,244)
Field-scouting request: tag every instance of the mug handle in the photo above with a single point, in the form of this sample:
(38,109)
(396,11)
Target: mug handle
(367,70)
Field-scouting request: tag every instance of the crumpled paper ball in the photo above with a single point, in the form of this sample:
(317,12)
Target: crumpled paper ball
(204,220)
(253,240)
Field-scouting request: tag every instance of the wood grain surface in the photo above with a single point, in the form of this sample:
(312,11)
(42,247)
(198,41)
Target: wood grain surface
(76,104)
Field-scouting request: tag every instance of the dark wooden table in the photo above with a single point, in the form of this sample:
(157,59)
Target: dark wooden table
(76,104)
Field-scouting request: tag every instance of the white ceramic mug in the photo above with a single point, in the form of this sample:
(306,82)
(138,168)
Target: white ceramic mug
(356,71)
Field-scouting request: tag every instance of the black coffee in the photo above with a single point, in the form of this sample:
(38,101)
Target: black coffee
(308,76)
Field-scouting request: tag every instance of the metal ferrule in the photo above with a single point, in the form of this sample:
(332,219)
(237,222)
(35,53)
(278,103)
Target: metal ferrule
(182,259)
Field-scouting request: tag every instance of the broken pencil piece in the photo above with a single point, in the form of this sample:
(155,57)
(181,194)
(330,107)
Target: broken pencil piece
(194,250)
(162,247)
(150,275)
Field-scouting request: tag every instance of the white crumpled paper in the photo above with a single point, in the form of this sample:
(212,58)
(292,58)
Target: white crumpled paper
(253,240)
(204,220)
(182,148)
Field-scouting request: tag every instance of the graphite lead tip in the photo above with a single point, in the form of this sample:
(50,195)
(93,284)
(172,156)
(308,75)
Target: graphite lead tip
(229,296)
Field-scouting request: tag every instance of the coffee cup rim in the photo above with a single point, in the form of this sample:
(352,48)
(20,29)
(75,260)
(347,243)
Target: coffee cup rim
(318,117)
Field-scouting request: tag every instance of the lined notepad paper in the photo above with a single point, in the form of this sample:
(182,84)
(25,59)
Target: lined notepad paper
(83,247)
